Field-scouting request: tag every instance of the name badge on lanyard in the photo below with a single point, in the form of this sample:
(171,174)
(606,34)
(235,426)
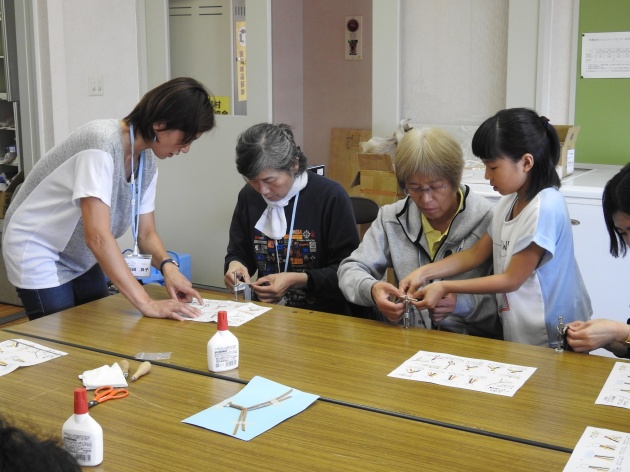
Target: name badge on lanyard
(139,264)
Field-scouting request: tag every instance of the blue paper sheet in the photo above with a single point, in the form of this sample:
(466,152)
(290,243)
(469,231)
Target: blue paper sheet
(223,418)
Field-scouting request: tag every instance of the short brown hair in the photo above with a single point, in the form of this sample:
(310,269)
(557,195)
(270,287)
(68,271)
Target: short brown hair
(182,104)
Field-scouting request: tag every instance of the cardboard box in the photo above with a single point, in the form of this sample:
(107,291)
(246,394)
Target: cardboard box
(185,267)
(344,146)
(568,136)
(376,179)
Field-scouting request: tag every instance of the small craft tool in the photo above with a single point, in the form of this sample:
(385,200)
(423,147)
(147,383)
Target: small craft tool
(124,366)
(144,368)
(408,315)
(102,394)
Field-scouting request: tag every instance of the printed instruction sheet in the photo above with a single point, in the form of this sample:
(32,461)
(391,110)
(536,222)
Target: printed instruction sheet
(616,390)
(600,449)
(238,313)
(464,372)
(16,353)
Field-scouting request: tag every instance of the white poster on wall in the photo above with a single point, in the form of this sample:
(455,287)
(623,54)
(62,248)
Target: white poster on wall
(606,55)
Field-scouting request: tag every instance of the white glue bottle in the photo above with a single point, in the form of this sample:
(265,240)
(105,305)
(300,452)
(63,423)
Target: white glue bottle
(222,347)
(82,435)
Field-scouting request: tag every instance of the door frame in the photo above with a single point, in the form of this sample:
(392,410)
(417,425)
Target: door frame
(197,192)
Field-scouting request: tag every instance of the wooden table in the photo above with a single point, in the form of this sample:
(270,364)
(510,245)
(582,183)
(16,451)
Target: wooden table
(346,361)
(144,430)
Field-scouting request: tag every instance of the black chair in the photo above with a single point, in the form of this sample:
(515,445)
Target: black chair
(365,210)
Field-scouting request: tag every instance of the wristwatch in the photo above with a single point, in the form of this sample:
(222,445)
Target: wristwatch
(168,261)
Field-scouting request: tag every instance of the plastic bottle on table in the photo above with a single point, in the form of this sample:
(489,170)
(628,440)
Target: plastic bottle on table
(222,347)
(82,435)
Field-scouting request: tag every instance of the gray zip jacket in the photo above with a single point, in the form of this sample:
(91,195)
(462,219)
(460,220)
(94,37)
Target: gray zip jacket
(395,239)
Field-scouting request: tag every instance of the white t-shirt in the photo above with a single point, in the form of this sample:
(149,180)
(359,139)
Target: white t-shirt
(43,243)
(530,314)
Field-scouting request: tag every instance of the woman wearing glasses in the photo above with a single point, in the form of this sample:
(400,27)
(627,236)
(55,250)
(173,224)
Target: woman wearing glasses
(438,217)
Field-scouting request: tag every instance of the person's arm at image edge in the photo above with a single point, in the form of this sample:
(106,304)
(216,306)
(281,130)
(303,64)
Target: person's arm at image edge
(586,336)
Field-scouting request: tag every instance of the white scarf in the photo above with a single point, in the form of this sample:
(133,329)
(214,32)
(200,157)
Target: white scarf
(273,222)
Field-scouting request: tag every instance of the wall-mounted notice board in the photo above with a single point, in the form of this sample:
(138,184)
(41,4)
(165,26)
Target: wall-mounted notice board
(602,105)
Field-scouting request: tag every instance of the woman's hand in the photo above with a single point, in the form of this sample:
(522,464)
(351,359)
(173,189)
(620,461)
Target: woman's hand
(228,278)
(381,293)
(443,308)
(271,288)
(178,286)
(169,309)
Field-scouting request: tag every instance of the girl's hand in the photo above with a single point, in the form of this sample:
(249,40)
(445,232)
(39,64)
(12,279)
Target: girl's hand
(429,296)
(410,284)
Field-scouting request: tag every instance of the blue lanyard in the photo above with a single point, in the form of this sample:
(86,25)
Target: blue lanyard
(286,262)
(135,194)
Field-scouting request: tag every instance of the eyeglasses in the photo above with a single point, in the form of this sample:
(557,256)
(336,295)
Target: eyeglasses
(428,190)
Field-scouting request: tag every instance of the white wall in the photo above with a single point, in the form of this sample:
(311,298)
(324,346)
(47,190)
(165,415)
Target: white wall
(441,83)
(454,60)
(76,39)
(288,65)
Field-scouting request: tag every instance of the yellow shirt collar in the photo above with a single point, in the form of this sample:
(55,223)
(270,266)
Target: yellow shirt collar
(434,236)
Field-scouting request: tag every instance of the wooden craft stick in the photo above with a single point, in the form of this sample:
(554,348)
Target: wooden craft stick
(241,417)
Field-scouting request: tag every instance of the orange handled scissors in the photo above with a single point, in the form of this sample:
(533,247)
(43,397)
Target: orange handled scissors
(102,394)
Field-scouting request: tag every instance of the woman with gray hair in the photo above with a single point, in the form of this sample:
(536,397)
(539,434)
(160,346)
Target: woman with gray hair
(291,227)
(440,216)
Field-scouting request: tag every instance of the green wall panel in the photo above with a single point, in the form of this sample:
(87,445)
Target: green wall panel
(602,106)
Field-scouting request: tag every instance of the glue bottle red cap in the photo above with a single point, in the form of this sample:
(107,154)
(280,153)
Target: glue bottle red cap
(80,401)
(222,321)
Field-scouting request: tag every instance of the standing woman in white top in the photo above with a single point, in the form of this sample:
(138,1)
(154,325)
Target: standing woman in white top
(536,277)
(59,238)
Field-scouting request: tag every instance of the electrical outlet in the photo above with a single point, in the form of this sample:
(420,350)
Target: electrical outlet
(95,85)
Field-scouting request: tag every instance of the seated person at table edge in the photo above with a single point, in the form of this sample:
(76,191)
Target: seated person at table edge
(21,450)
(290,226)
(611,335)
(440,216)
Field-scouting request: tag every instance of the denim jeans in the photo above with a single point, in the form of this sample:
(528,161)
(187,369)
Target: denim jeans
(87,287)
